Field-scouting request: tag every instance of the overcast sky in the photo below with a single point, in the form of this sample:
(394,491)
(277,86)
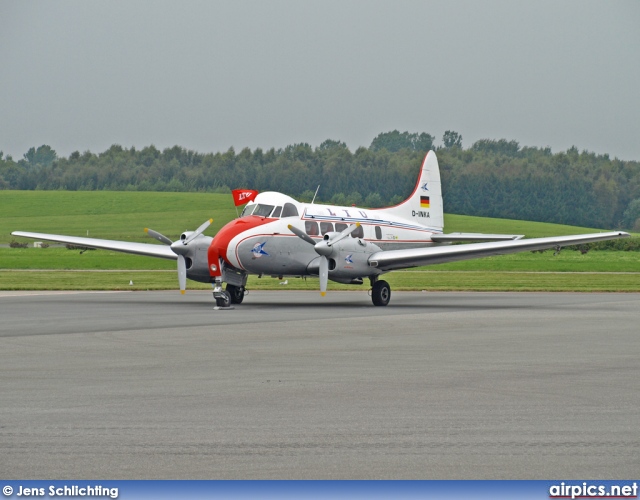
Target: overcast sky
(207,75)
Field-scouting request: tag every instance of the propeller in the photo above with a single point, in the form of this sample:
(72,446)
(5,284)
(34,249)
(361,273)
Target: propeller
(324,248)
(182,274)
(179,247)
(160,237)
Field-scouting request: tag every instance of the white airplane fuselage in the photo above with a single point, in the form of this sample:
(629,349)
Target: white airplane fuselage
(263,244)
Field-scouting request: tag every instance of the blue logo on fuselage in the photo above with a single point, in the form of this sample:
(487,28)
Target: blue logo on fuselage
(258,250)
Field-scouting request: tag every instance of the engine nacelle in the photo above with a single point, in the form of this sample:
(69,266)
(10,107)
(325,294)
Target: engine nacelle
(348,260)
(185,235)
(195,256)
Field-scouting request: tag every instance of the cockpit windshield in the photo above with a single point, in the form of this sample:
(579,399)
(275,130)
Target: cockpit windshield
(263,210)
(248,210)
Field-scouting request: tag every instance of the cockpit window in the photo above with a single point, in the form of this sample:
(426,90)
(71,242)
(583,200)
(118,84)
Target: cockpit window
(263,210)
(248,210)
(276,212)
(289,210)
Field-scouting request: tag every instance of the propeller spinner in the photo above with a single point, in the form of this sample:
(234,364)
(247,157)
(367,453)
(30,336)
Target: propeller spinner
(324,248)
(180,248)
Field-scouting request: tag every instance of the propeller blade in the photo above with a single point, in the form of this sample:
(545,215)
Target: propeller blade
(182,274)
(197,232)
(160,237)
(343,234)
(301,234)
(324,275)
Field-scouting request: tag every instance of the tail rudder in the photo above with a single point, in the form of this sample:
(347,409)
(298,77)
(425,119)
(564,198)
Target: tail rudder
(424,205)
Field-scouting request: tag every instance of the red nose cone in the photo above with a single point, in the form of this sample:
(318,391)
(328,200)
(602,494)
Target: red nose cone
(220,244)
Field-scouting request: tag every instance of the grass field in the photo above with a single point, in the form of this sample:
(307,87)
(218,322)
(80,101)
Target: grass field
(399,280)
(109,214)
(123,216)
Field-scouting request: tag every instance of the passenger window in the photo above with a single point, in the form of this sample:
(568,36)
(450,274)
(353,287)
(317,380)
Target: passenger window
(276,212)
(341,227)
(326,227)
(311,227)
(378,233)
(248,210)
(289,210)
(358,232)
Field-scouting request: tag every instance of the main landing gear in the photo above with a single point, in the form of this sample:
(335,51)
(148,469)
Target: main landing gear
(380,292)
(236,293)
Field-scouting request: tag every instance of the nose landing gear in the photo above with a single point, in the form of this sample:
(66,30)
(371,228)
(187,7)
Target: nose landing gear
(222,297)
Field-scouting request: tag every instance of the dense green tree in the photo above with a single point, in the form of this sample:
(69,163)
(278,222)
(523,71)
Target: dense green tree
(395,141)
(330,144)
(43,156)
(493,177)
(339,199)
(452,139)
(631,216)
(502,146)
(373,200)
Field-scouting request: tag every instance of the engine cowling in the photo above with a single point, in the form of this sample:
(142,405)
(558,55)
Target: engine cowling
(348,259)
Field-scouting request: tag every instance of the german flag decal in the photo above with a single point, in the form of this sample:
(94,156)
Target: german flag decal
(424,202)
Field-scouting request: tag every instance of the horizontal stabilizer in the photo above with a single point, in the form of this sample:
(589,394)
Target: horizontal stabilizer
(456,237)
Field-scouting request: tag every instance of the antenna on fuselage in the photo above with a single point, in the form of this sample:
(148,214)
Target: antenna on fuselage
(316,194)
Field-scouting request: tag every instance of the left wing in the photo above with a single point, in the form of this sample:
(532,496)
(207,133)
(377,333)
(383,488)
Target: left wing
(413,257)
(147,249)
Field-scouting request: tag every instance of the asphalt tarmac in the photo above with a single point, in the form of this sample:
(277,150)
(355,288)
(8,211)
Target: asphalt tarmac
(292,386)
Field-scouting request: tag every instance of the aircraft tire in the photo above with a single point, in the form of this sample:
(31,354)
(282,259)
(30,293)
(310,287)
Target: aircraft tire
(380,293)
(236,293)
(224,301)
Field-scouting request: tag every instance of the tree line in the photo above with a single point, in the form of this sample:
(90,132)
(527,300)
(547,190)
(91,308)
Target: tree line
(494,178)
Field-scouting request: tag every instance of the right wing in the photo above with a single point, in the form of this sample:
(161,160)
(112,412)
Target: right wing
(457,237)
(147,249)
(413,257)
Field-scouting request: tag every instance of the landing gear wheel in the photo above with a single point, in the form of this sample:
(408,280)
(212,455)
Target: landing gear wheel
(380,293)
(236,293)
(224,301)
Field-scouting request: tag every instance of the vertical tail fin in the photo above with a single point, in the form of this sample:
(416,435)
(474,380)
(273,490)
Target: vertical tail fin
(424,205)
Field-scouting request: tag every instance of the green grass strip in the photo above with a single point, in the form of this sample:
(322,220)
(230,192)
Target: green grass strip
(399,280)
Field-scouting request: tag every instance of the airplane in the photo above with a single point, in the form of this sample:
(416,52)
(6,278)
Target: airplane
(278,236)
